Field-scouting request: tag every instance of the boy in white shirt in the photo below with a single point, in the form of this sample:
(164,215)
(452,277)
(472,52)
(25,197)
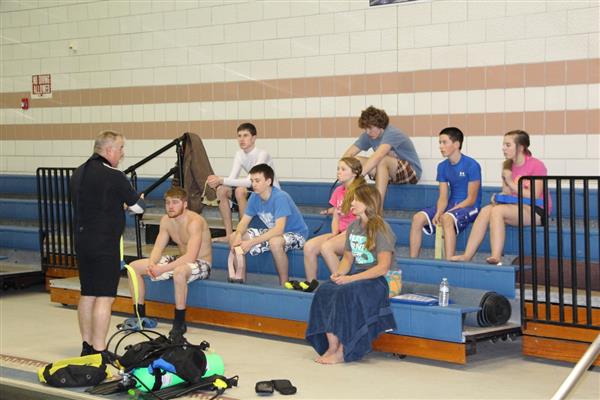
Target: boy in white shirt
(247,157)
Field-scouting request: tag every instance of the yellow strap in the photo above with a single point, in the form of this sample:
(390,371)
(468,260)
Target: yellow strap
(439,242)
(220,384)
(134,283)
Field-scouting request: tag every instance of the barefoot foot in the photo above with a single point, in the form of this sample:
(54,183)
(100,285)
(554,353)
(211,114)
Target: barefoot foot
(220,239)
(493,261)
(327,354)
(335,358)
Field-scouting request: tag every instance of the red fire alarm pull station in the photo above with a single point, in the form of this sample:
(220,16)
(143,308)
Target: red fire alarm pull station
(25,103)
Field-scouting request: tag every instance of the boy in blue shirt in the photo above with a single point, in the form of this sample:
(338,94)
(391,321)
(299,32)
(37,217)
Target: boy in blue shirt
(458,204)
(285,227)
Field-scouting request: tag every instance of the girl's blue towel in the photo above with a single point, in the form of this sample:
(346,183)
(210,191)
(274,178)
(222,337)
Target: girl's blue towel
(356,313)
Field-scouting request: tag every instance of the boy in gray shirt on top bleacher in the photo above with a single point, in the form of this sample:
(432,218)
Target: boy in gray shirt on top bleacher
(458,204)
(394,160)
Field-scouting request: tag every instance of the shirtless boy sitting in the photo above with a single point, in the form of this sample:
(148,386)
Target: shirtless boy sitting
(190,232)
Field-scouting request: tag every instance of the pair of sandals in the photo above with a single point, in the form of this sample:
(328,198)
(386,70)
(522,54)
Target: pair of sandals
(303,286)
(283,386)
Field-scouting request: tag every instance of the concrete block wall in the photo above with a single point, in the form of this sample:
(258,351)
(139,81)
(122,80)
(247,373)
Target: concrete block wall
(302,72)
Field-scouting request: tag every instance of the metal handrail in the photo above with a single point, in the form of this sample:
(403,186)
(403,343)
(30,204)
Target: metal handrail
(179,149)
(564,245)
(175,142)
(582,365)
(55,208)
(55,217)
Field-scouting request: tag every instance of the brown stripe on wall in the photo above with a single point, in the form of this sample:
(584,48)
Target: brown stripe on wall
(570,72)
(537,122)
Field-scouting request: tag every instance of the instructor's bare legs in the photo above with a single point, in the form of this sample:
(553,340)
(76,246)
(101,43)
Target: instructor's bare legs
(94,319)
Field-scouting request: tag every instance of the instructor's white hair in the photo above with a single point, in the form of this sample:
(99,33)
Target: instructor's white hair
(104,140)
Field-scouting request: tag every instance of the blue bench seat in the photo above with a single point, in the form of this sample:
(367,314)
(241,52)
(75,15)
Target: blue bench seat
(24,210)
(431,322)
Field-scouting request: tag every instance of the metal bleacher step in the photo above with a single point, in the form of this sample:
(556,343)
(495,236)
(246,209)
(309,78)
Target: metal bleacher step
(272,301)
(18,276)
(19,268)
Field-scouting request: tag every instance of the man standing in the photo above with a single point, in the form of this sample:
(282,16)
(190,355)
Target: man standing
(99,191)
(190,232)
(246,157)
(394,159)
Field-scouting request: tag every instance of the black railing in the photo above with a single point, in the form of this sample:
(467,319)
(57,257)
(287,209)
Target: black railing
(55,215)
(566,268)
(179,144)
(55,211)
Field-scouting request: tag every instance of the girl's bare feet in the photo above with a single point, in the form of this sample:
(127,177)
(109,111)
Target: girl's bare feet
(328,353)
(335,358)
(458,258)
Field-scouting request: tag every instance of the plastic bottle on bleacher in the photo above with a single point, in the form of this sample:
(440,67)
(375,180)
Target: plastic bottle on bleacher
(444,295)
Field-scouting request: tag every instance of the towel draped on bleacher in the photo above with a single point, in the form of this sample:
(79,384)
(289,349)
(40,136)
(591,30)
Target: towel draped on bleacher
(356,313)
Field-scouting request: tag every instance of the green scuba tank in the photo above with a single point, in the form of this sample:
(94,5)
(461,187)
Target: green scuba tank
(214,366)
(145,380)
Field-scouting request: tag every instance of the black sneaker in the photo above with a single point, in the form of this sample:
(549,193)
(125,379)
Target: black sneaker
(177,332)
(309,286)
(86,349)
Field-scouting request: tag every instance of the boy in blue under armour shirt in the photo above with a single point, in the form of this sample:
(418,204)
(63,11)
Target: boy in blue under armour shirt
(285,227)
(459,201)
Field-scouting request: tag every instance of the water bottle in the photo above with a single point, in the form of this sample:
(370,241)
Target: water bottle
(444,295)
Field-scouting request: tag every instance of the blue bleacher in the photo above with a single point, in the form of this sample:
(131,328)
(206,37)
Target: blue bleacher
(431,322)
(399,197)
(428,322)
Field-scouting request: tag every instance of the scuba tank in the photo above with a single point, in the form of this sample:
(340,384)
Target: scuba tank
(146,380)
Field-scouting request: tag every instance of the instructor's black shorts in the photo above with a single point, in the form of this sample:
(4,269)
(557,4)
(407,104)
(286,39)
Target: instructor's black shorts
(99,264)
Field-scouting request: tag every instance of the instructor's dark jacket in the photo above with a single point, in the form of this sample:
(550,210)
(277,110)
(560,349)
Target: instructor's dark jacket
(99,191)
